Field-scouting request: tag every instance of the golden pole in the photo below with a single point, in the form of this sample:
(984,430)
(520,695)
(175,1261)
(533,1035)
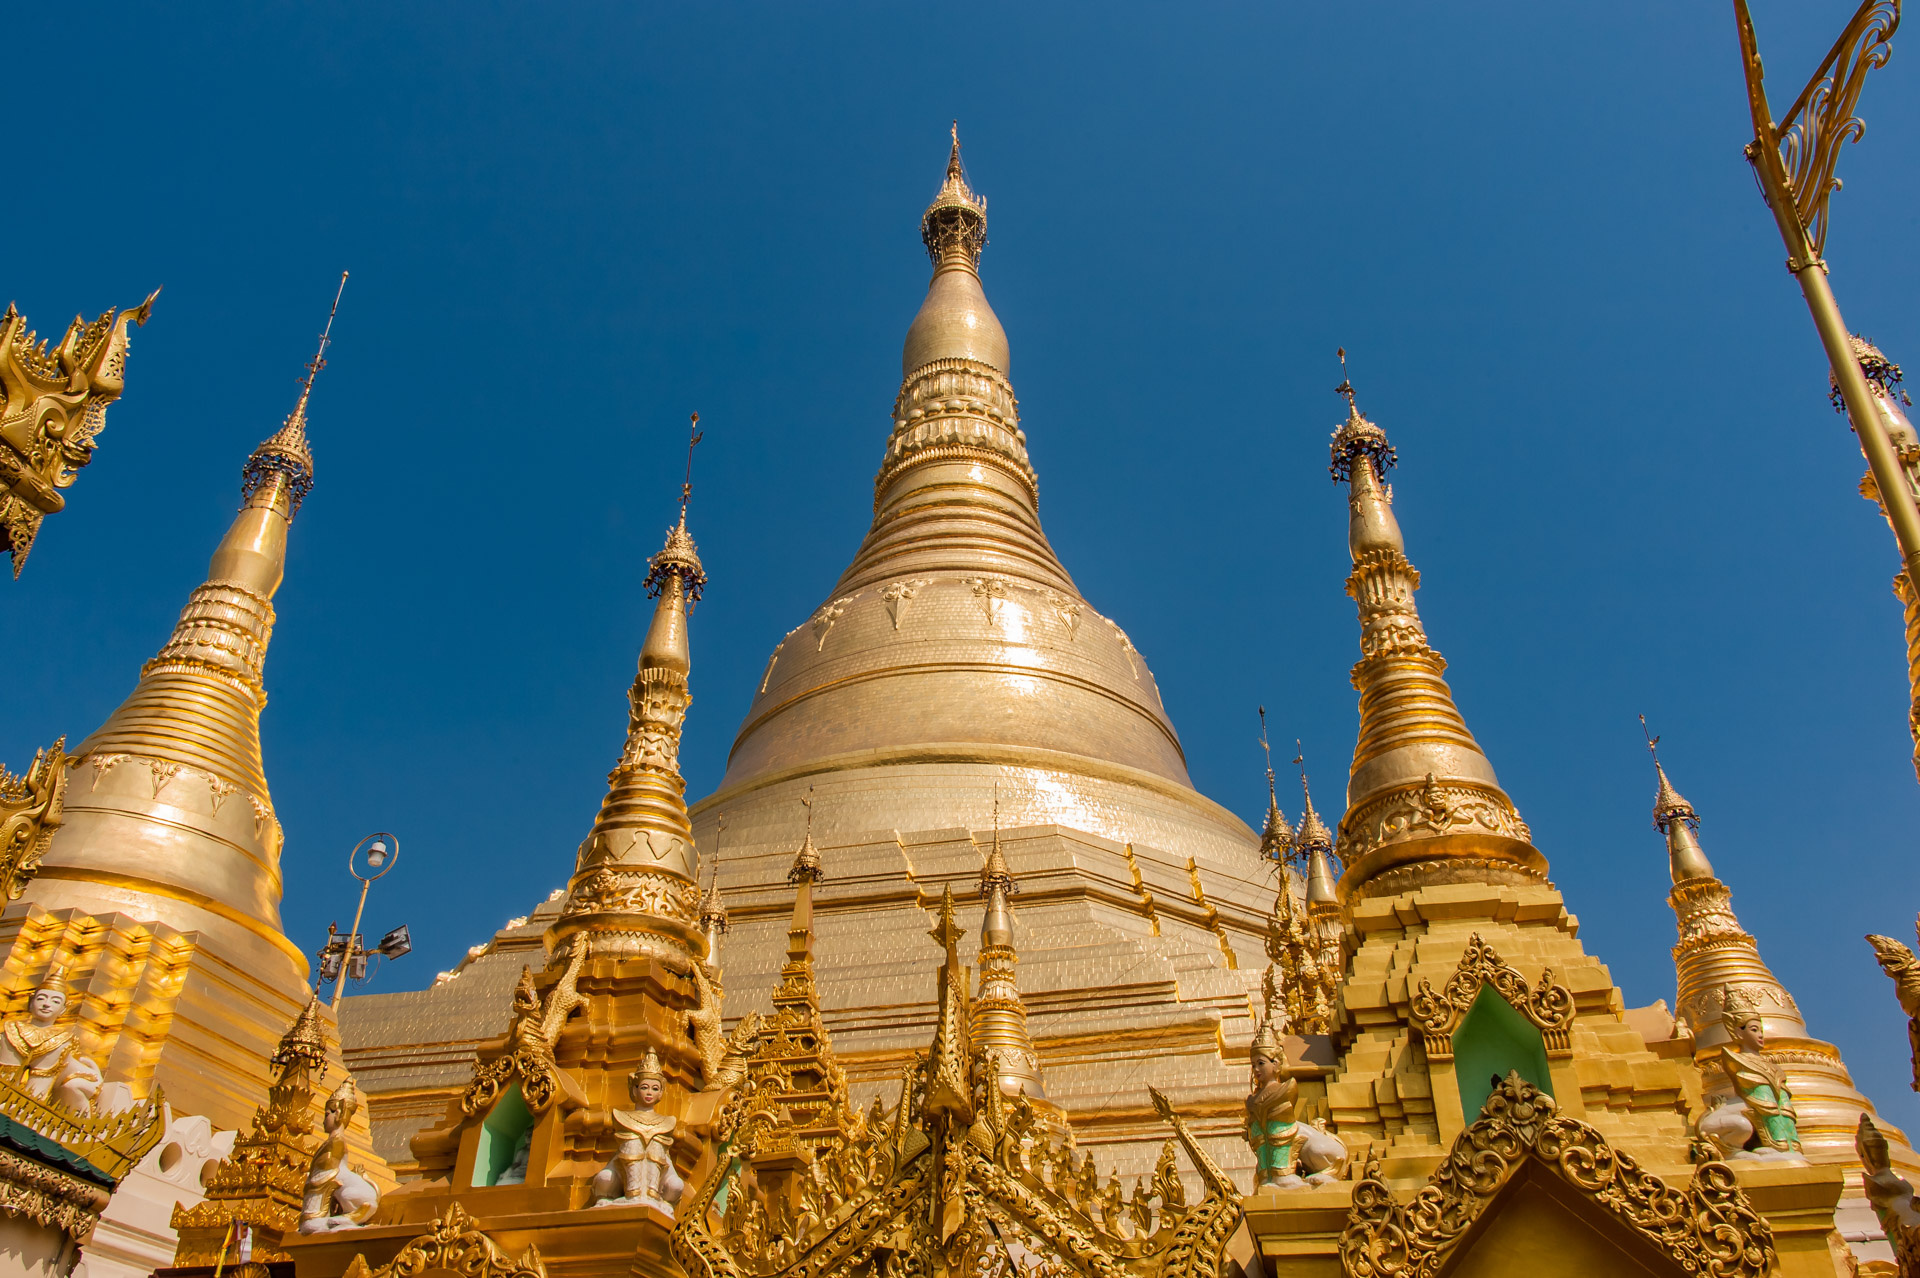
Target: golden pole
(353,943)
(1813,129)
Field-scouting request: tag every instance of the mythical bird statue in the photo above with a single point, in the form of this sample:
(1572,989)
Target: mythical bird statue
(54,405)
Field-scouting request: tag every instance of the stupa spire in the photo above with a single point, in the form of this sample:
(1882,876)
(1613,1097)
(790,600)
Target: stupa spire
(1276,838)
(999,1020)
(1714,957)
(174,809)
(1421,792)
(797,995)
(1674,817)
(634,889)
(713,907)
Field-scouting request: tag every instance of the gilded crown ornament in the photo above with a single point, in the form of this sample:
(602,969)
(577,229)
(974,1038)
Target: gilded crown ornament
(286,453)
(53,405)
(956,221)
(806,861)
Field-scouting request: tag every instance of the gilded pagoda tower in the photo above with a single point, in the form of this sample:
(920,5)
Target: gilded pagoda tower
(161,889)
(953,658)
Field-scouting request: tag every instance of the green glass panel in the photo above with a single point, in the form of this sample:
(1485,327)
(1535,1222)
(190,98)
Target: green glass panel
(500,1134)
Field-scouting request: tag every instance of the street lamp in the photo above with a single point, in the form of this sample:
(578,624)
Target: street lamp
(344,957)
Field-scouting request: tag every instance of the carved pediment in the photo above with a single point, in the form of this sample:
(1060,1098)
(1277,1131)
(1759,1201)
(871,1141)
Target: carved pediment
(1709,1227)
(454,1245)
(1438,1013)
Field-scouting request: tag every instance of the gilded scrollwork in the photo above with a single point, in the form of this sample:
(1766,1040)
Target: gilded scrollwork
(454,1245)
(528,1056)
(1433,807)
(1438,1013)
(1709,1227)
(53,404)
(30,811)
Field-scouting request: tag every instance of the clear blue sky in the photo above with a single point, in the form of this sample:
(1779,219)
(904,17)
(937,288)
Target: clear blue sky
(570,225)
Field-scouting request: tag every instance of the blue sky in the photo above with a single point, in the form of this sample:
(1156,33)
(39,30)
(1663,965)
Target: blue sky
(569,226)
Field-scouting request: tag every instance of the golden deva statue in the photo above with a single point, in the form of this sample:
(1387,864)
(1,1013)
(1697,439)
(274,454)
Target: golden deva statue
(1271,1128)
(641,1170)
(56,1067)
(338,1197)
(1762,1122)
(1899,963)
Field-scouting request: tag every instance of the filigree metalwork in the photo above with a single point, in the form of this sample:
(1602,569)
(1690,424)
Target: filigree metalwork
(528,1056)
(1709,1228)
(114,1142)
(53,404)
(50,1197)
(958,1178)
(454,1245)
(29,814)
(1800,152)
(1438,1013)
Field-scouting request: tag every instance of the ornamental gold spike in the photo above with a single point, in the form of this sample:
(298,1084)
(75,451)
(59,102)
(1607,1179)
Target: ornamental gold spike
(30,811)
(1421,794)
(999,1018)
(53,405)
(634,890)
(1276,839)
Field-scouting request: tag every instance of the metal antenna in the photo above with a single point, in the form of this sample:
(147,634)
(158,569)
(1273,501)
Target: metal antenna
(1346,383)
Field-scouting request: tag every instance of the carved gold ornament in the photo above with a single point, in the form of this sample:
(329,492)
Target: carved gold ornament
(1708,1228)
(454,1245)
(1438,1013)
(30,811)
(530,1038)
(53,404)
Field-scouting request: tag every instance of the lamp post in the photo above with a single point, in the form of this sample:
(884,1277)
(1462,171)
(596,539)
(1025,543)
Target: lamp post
(1794,161)
(345,956)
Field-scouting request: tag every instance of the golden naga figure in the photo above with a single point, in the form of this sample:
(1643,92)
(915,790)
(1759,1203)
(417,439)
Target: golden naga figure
(1899,963)
(29,814)
(641,1171)
(54,405)
(1761,1123)
(338,1197)
(56,1068)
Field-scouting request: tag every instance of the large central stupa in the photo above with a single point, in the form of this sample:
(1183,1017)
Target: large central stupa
(953,689)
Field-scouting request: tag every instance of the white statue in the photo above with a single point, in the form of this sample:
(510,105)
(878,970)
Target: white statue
(56,1067)
(338,1197)
(641,1170)
(1323,1156)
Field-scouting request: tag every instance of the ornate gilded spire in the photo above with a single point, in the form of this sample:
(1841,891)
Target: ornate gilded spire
(285,453)
(1715,959)
(956,221)
(1314,836)
(1674,817)
(999,1017)
(1276,840)
(173,810)
(1421,792)
(713,909)
(806,859)
(634,889)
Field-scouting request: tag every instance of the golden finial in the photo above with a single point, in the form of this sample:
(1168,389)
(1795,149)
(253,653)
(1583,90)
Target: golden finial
(1314,834)
(957,218)
(1277,838)
(305,1040)
(1356,436)
(995,872)
(713,910)
(286,452)
(947,932)
(806,862)
(1668,806)
(680,557)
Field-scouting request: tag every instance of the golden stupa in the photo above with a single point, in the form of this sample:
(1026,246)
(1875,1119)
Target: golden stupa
(955,975)
(955,672)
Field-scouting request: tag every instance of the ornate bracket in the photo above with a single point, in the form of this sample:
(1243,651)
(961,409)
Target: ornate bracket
(530,1039)
(1796,157)
(1708,1228)
(1547,1005)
